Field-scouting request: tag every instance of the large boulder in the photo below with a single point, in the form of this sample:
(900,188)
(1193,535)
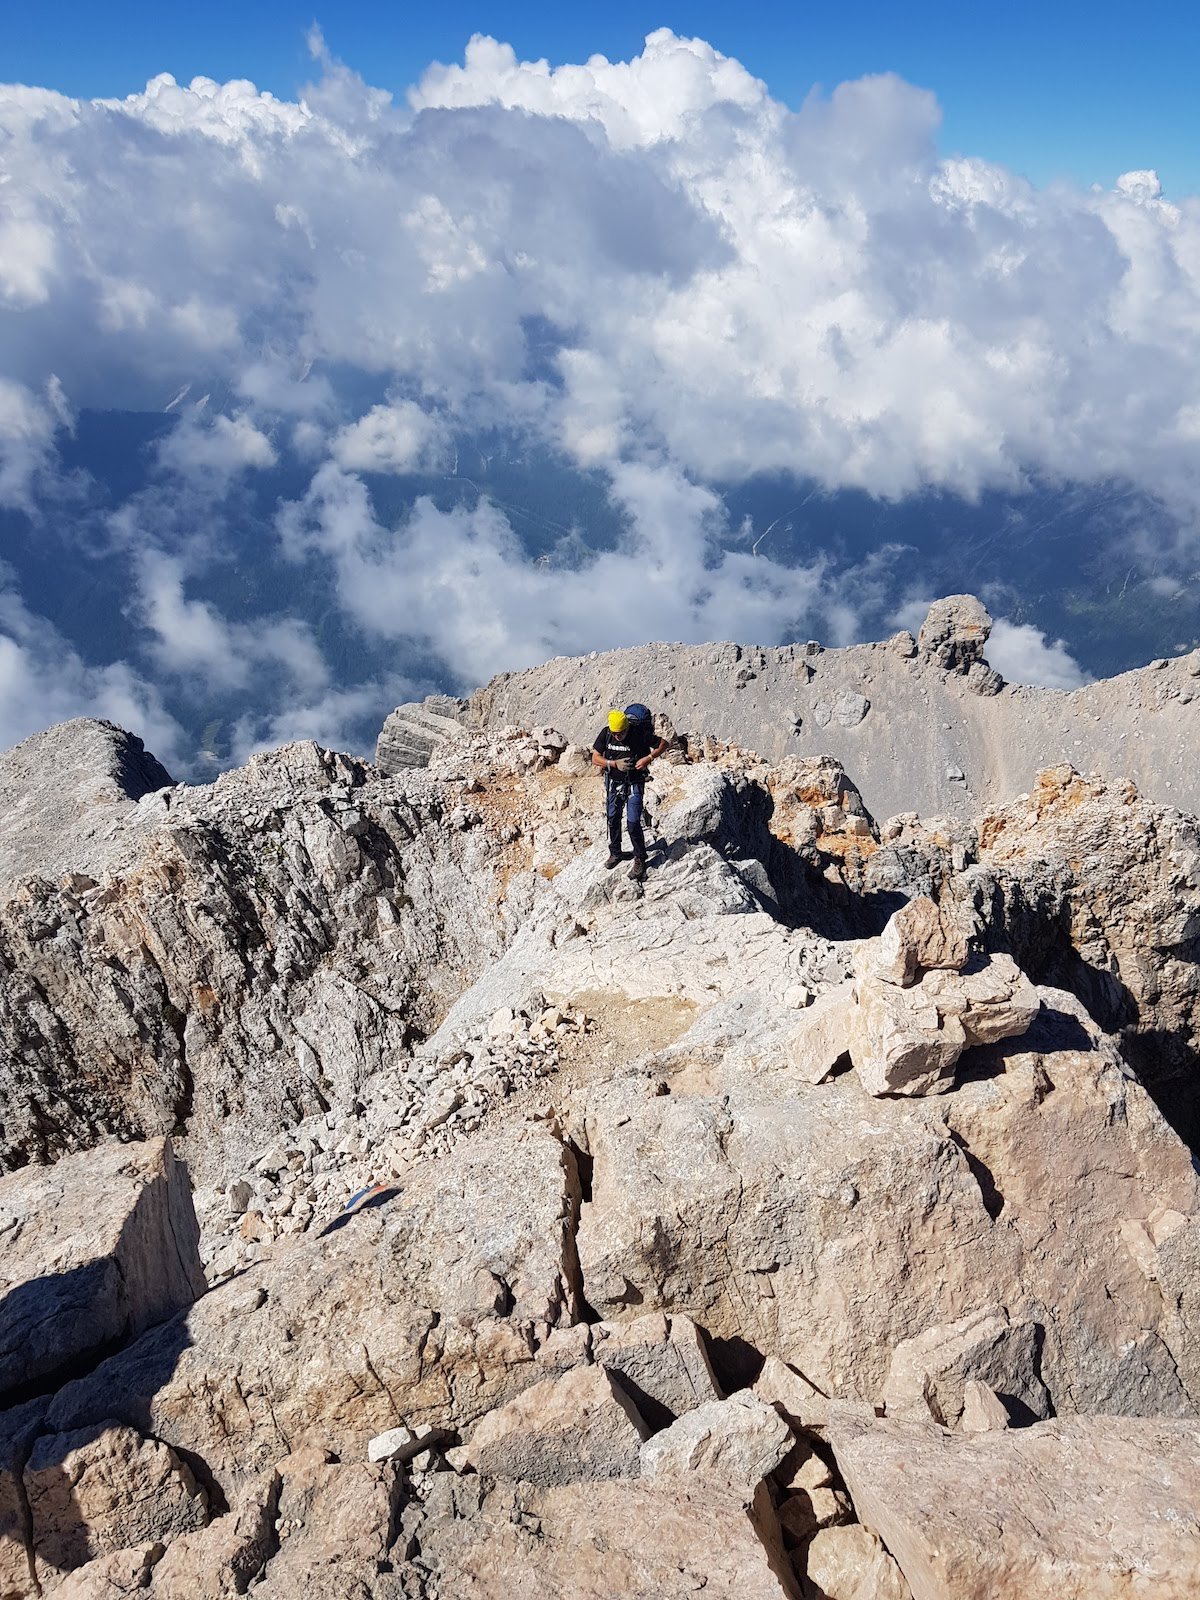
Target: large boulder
(432,1301)
(954,632)
(906,1038)
(99,1490)
(662,1361)
(413,731)
(592,1541)
(849,1563)
(1063,1510)
(826,1227)
(740,1441)
(562,1430)
(96,1249)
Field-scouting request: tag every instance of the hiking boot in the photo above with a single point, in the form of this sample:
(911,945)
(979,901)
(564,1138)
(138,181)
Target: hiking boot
(638,869)
(614,860)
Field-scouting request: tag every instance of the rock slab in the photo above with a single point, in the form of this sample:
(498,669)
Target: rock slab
(1080,1508)
(96,1249)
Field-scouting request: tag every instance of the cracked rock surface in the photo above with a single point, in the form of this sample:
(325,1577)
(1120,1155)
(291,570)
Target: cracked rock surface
(815,1218)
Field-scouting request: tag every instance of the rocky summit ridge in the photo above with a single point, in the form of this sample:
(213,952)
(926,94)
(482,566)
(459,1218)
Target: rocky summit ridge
(397,1203)
(922,723)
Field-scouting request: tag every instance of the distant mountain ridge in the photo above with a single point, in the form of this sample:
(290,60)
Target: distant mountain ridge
(922,723)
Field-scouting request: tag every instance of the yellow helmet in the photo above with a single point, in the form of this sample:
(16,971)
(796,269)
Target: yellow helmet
(617,722)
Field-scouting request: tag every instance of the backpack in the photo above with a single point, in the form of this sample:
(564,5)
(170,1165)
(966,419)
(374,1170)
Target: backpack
(639,713)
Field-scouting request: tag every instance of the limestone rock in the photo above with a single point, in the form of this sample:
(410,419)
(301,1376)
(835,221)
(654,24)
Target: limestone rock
(412,732)
(575,761)
(96,1249)
(847,710)
(820,1036)
(926,714)
(758,1210)
(62,790)
(335,1521)
(562,1430)
(250,958)
(228,1555)
(662,1361)
(592,1541)
(1177,1270)
(907,1041)
(402,1444)
(104,1489)
(435,1295)
(918,938)
(111,1577)
(955,632)
(804,1511)
(850,1563)
(930,1374)
(1064,1510)
(739,1441)
(799,1403)
(983,1410)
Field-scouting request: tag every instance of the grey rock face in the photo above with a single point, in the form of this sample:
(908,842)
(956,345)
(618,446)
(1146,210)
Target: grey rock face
(412,731)
(95,1250)
(576,1105)
(955,632)
(246,961)
(1059,1511)
(934,710)
(61,792)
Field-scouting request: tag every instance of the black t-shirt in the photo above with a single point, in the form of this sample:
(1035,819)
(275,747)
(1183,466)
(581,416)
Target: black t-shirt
(637,741)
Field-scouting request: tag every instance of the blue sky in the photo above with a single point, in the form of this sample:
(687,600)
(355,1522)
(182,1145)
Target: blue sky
(1058,89)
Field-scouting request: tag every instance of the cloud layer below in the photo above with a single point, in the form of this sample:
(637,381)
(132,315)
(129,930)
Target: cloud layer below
(650,269)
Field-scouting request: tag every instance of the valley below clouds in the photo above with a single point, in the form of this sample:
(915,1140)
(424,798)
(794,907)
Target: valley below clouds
(308,407)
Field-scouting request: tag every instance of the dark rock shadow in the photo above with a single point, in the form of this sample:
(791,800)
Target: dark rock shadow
(42,1313)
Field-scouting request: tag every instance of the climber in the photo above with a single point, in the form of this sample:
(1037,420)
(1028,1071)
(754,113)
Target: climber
(624,750)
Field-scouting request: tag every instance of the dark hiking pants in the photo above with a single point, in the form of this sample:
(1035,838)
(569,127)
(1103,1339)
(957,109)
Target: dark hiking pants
(627,798)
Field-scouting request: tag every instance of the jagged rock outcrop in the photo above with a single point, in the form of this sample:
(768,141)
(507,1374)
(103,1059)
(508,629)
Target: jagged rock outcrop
(252,952)
(955,632)
(1091,888)
(63,791)
(943,735)
(412,732)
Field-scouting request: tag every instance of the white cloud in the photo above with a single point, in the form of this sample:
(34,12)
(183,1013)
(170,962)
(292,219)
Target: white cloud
(1021,653)
(324,718)
(192,639)
(27,429)
(43,681)
(459,581)
(651,265)
(216,446)
(398,437)
(745,287)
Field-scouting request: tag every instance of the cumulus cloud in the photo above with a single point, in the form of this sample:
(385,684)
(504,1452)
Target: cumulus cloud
(216,446)
(191,639)
(324,718)
(459,582)
(651,267)
(738,285)
(28,424)
(399,437)
(1022,654)
(43,681)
